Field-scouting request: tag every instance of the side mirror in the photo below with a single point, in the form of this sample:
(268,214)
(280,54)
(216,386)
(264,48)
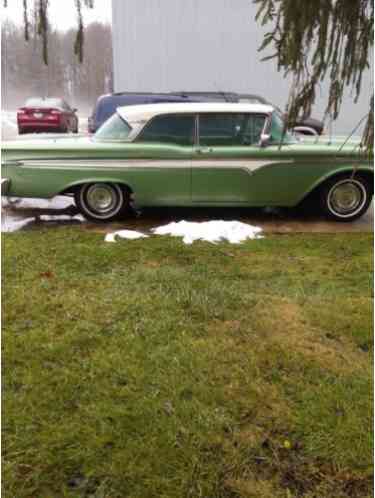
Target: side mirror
(264,139)
(75,109)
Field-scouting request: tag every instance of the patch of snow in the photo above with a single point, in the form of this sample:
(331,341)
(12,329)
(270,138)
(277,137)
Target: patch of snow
(60,217)
(22,213)
(12,225)
(9,119)
(124,234)
(59,202)
(234,232)
(214,231)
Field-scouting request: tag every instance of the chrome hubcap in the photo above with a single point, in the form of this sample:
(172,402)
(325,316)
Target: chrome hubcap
(101,198)
(347,197)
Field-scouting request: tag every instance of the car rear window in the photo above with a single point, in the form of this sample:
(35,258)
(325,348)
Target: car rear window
(44,103)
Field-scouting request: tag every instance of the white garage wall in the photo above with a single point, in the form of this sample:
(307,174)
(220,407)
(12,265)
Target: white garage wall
(164,45)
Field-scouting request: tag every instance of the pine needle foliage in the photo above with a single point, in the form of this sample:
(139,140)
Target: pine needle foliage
(315,40)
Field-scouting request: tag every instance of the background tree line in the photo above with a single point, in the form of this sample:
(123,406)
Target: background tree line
(24,73)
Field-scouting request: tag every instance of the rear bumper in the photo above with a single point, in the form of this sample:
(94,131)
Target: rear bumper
(35,126)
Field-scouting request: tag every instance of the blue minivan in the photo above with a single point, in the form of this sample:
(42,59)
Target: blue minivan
(106,105)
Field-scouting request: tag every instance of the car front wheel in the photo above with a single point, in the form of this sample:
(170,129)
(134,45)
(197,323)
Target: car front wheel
(346,198)
(101,202)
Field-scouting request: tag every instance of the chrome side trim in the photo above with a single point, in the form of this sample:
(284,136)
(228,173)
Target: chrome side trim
(245,164)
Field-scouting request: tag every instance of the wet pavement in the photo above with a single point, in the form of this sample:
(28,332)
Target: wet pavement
(26,214)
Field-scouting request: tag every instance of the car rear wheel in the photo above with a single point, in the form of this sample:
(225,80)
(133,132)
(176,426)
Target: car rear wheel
(346,198)
(102,202)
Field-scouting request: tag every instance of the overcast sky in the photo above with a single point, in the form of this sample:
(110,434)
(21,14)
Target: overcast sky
(62,12)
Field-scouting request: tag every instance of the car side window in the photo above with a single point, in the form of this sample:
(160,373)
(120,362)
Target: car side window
(172,129)
(228,129)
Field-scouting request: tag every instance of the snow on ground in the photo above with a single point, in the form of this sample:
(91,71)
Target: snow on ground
(14,219)
(11,223)
(211,231)
(214,231)
(58,202)
(9,118)
(124,234)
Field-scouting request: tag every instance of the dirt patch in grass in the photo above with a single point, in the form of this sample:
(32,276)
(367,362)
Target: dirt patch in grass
(286,324)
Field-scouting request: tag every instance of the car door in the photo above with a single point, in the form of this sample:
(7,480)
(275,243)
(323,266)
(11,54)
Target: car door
(165,156)
(225,157)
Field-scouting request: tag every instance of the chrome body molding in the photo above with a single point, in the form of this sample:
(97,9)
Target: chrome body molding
(248,165)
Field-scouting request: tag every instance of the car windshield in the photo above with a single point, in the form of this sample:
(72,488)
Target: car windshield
(43,103)
(277,129)
(115,128)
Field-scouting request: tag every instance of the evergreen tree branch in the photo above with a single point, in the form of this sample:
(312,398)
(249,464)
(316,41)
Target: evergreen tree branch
(318,40)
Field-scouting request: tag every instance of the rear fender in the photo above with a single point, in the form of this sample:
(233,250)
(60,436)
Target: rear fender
(367,170)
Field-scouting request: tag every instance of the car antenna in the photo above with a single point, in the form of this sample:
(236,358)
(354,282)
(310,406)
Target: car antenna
(352,132)
(289,104)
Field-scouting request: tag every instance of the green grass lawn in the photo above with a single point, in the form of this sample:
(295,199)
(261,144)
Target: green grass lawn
(153,369)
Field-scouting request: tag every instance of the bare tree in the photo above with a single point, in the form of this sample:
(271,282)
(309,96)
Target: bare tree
(24,73)
(40,9)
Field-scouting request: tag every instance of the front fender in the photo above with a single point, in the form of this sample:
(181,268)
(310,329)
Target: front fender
(79,183)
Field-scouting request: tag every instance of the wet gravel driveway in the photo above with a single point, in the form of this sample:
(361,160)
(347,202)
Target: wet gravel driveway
(29,214)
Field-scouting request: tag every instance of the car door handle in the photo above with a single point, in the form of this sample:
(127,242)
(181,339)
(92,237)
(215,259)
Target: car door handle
(204,150)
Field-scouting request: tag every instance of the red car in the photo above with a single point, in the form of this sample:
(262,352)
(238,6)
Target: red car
(46,115)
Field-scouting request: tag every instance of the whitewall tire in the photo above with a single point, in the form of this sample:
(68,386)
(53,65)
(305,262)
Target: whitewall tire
(346,198)
(102,202)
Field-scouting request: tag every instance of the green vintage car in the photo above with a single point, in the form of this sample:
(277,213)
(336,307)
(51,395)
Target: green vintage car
(190,154)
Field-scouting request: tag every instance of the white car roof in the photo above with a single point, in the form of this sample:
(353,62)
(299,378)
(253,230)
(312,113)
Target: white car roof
(142,113)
